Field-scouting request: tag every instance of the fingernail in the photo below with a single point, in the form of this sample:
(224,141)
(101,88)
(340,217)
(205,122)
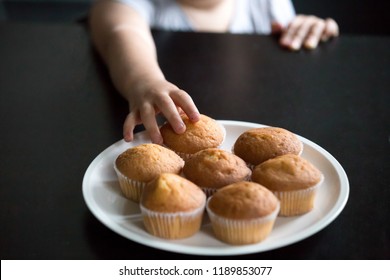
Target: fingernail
(181,128)
(127,137)
(194,117)
(311,44)
(295,45)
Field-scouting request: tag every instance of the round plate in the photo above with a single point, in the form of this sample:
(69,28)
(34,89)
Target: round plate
(103,197)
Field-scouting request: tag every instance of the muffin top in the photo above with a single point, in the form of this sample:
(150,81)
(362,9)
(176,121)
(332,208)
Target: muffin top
(259,144)
(243,200)
(287,173)
(215,168)
(206,133)
(171,193)
(146,161)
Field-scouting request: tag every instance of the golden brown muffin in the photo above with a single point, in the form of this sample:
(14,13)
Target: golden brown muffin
(214,168)
(206,133)
(139,165)
(293,179)
(172,207)
(242,213)
(260,144)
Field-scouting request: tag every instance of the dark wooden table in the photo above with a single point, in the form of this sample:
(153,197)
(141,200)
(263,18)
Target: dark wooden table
(59,110)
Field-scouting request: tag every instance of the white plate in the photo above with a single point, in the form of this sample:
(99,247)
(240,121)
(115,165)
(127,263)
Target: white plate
(103,197)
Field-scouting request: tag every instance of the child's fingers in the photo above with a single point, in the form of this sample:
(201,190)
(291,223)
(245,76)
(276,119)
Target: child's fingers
(314,36)
(303,31)
(148,117)
(180,110)
(308,31)
(131,121)
(297,32)
(169,109)
(183,100)
(288,35)
(331,30)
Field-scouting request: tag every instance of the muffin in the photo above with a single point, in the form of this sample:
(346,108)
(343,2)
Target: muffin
(214,168)
(242,213)
(293,179)
(172,207)
(206,133)
(260,144)
(139,165)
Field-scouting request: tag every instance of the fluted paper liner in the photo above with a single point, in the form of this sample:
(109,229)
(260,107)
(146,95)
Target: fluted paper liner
(131,189)
(244,231)
(172,225)
(293,203)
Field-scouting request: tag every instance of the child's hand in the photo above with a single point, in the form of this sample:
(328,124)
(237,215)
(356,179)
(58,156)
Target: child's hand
(307,31)
(151,97)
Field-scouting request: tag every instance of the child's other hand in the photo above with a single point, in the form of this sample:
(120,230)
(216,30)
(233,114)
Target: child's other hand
(307,31)
(149,98)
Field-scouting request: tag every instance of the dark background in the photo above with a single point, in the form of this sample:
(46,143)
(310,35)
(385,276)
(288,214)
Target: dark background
(354,17)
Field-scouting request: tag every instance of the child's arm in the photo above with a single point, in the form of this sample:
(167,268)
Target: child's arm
(308,31)
(124,40)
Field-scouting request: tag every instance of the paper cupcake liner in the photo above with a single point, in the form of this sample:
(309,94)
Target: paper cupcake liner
(293,203)
(131,189)
(172,225)
(240,232)
(184,156)
(250,166)
(209,191)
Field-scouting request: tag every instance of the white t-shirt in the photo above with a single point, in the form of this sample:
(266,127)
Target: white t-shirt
(250,16)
